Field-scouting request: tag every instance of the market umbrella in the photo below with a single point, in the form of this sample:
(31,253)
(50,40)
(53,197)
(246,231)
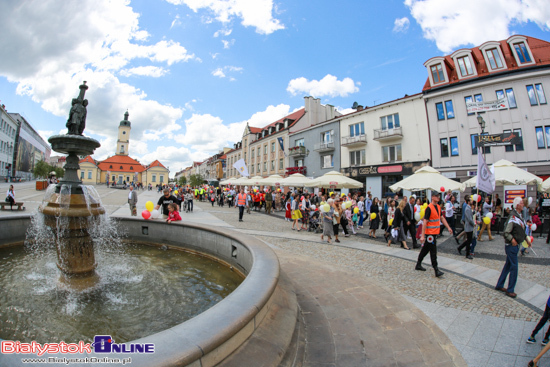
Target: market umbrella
(427,178)
(545,187)
(228,181)
(295,180)
(335,180)
(507,173)
(273,180)
(249,181)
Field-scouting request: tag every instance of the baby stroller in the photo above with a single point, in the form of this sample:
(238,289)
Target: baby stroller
(314,223)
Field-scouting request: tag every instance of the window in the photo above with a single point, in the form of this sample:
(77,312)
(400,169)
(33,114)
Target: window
(154,178)
(161,178)
(299,142)
(543,136)
(389,122)
(124,133)
(252,153)
(454,147)
(444,145)
(473,138)
(265,149)
(450,109)
(299,163)
(122,148)
(540,93)
(258,151)
(252,169)
(478,98)
(532,96)
(259,168)
(511,98)
(273,147)
(494,58)
(273,165)
(437,73)
(121,167)
(265,166)
(521,51)
(89,175)
(465,66)
(518,147)
(357,158)
(391,153)
(441,111)
(469,99)
(357,129)
(281,163)
(326,137)
(81,175)
(327,161)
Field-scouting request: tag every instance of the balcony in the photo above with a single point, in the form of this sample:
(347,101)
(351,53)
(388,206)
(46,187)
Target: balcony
(388,134)
(355,140)
(297,151)
(292,170)
(326,146)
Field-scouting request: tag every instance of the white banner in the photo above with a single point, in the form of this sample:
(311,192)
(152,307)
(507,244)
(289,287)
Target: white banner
(485,178)
(240,166)
(487,106)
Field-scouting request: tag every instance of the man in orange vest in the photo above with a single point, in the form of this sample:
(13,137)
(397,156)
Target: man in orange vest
(241,203)
(430,229)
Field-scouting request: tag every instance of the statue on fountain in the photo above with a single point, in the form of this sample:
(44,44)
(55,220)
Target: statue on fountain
(77,115)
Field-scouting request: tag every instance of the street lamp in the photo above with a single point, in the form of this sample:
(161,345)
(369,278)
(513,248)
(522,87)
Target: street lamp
(481,123)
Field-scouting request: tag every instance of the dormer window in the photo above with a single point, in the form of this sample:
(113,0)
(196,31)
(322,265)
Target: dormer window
(286,124)
(437,73)
(465,64)
(520,49)
(278,127)
(492,53)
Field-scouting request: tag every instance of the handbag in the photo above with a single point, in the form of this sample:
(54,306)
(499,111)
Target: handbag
(7,199)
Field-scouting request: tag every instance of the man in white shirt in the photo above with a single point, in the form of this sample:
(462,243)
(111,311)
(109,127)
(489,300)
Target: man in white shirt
(450,213)
(132,201)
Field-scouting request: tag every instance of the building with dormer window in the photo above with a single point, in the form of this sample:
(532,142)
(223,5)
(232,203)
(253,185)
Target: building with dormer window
(517,70)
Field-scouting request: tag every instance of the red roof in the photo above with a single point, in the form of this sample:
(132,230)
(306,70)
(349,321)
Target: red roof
(156,164)
(295,116)
(539,48)
(88,159)
(121,163)
(255,130)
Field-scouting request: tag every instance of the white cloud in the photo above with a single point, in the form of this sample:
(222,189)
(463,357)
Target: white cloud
(48,61)
(344,111)
(208,134)
(227,44)
(152,71)
(328,86)
(222,72)
(176,22)
(174,158)
(223,32)
(401,24)
(253,13)
(455,23)
(214,55)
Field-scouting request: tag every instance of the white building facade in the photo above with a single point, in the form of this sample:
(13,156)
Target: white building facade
(517,69)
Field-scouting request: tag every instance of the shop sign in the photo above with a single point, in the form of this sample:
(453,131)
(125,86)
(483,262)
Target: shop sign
(509,138)
(511,192)
(394,169)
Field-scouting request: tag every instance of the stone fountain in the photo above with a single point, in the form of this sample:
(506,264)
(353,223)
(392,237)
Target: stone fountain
(68,211)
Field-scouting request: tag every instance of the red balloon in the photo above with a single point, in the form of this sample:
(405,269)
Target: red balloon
(146,214)
(415,209)
(442,189)
(479,198)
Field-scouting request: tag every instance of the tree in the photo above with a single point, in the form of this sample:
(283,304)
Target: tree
(41,169)
(196,180)
(182,181)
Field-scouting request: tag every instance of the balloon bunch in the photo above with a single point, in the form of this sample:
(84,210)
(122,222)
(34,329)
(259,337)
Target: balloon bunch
(150,211)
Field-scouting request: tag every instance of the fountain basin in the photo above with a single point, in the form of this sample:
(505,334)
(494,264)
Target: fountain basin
(210,337)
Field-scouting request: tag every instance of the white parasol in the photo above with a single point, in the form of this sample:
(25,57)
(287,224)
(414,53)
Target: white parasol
(336,180)
(507,173)
(427,178)
(295,180)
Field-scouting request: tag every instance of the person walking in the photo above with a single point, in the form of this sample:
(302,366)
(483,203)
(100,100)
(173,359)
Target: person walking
(430,229)
(464,205)
(361,206)
(486,210)
(409,224)
(514,235)
(295,210)
(468,229)
(10,196)
(397,225)
(540,325)
(374,222)
(339,220)
(241,204)
(189,200)
(132,201)
(328,222)
(450,213)
(268,201)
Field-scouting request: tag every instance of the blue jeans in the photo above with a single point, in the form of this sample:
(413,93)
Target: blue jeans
(361,219)
(510,267)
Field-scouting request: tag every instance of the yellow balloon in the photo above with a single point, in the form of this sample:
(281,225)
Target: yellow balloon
(424,206)
(422,212)
(391,221)
(322,203)
(525,244)
(176,192)
(330,194)
(373,216)
(343,194)
(486,220)
(326,208)
(149,206)
(356,210)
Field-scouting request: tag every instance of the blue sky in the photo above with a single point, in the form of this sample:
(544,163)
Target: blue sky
(192,73)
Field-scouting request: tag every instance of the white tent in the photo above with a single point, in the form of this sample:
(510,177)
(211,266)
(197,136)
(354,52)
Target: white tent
(272,180)
(227,181)
(545,187)
(507,173)
(427,178)
(250,181)
(295,180)
(335,180)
